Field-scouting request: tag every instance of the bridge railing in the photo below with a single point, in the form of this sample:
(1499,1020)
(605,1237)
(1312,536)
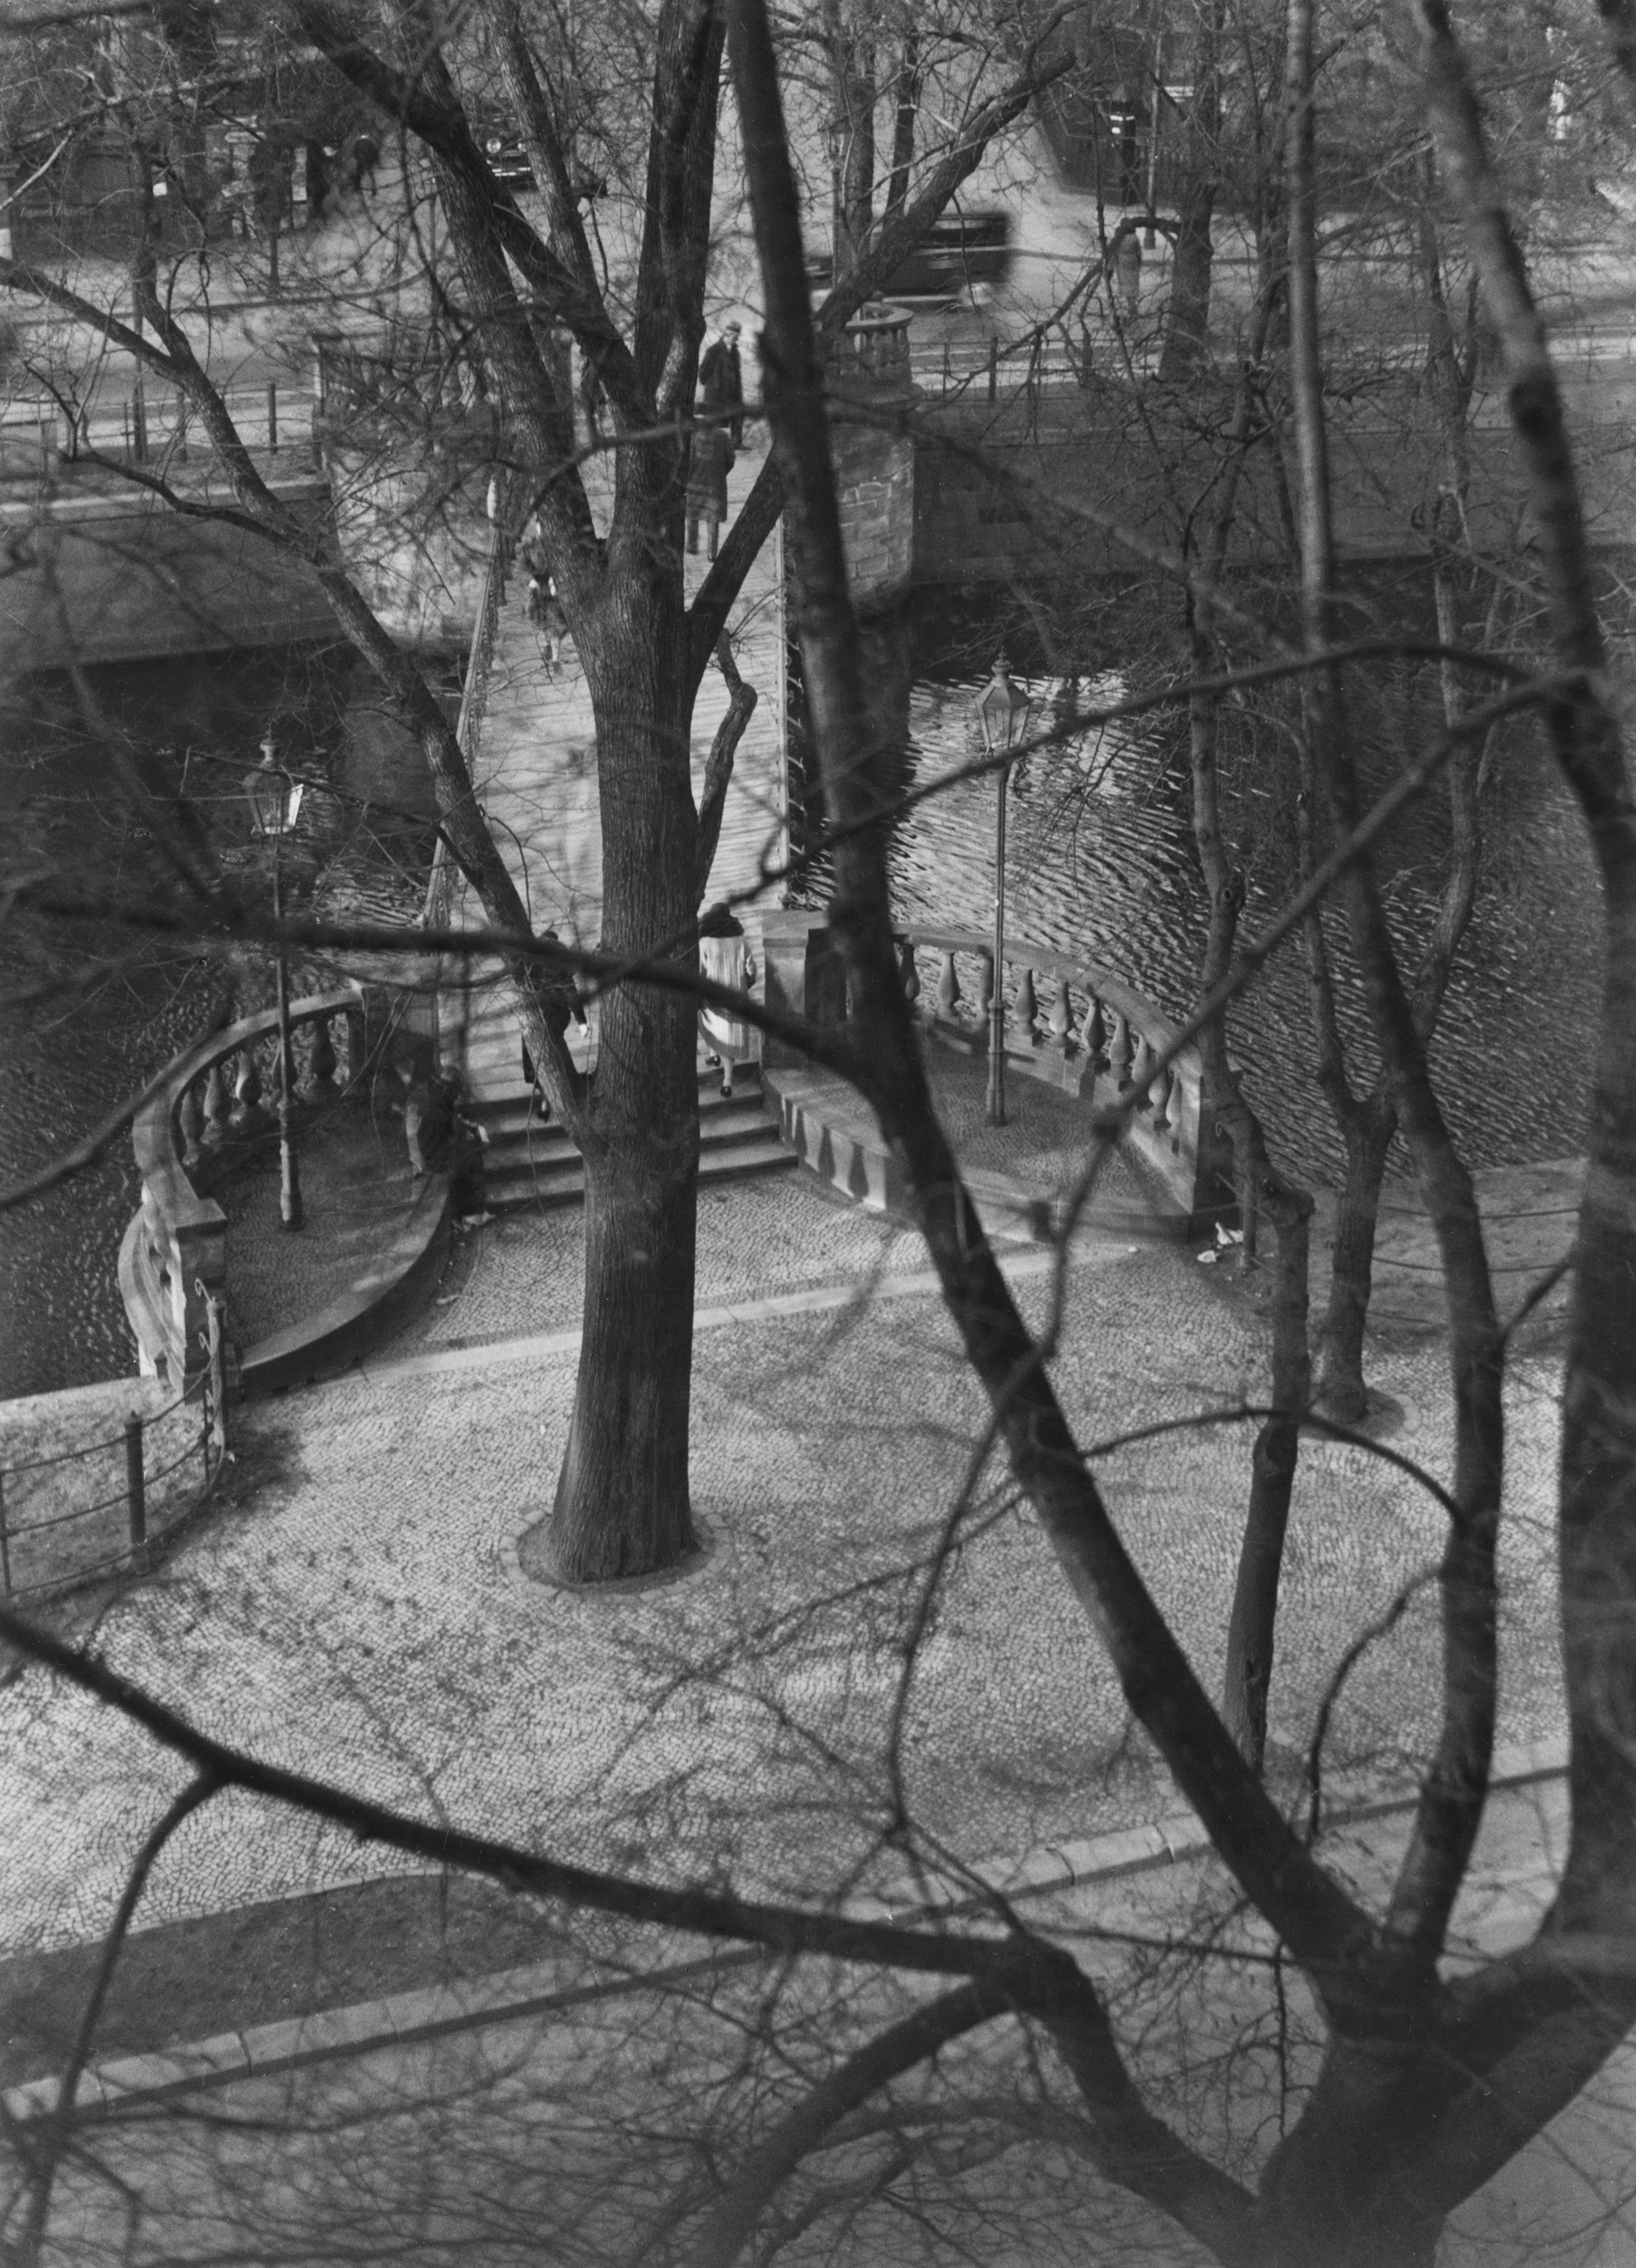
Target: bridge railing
(146,426)
(174,1260)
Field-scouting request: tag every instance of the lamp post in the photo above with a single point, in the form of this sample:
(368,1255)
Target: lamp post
(1003,715)
(275,800)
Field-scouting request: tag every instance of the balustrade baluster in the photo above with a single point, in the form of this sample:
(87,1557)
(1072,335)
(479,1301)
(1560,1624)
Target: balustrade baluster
(1028,1009)
(1061,1022)
(323,1057)
(189,1123)
(909,972)
(217,1106)
(985,987)
(1165,1089)
(1119,1052)
(1093,1034)
(948,989)
(1142,1070)
(247,1086)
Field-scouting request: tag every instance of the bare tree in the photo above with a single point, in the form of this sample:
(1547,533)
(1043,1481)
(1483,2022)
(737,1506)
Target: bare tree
(1416,2077)
(621,1503)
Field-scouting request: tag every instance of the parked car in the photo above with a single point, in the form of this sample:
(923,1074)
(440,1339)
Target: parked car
(964,252)
(508,160)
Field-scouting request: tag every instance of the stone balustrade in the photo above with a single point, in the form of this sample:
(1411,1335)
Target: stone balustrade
(222,1090)
(1068,1021)
(874,347)
(1086,1031)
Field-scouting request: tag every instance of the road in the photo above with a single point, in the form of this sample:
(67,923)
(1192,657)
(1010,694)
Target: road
(349,274)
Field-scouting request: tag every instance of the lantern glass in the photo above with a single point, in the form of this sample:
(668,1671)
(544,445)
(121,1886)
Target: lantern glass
(274,798)
(1002,712)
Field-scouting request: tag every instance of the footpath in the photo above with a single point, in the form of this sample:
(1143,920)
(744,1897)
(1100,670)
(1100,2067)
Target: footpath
(359,1604)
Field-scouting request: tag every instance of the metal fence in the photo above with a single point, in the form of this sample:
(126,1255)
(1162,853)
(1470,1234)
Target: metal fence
(147,426)
(52,1540)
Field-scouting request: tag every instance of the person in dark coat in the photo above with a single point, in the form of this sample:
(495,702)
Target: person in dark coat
(707,484)
(721,375)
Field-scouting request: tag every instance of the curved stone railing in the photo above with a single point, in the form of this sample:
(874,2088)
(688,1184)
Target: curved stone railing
(1082,1029)
(1067,1021)
(174,1260)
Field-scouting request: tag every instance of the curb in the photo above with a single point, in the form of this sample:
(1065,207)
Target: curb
(1019,1263)
(406,2019)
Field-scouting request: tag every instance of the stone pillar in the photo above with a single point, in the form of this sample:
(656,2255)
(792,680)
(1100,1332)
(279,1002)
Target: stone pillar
(803,976)
(870,377)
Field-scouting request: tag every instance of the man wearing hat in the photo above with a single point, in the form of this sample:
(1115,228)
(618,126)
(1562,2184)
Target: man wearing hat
(723,380)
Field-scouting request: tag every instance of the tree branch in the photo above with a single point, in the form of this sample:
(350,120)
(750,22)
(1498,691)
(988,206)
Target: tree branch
(719,765)
(1325,1929)
(763,2172)
(53,2136)
(698,1911)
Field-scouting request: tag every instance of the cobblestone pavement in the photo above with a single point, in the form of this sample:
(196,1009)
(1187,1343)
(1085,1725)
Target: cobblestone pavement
(363,1614)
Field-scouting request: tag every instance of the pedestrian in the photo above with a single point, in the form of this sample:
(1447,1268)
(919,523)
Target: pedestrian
(545,612)
(725,958)
(365,158)
(722,377)
(707,484)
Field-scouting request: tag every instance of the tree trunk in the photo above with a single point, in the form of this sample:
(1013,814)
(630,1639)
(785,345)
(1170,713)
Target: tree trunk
(621,1505)
(1262,1191)
(1187,323)
(1187,326)
(1368,1131)
(1254,1617)
(905,114)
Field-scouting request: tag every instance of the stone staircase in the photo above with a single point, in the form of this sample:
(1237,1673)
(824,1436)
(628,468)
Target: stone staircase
(529,1161)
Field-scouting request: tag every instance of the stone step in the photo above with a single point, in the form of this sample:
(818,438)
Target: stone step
(563,1181)
(526,1146)
(512,1109)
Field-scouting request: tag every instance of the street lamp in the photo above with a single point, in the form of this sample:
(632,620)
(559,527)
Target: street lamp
(275,800)
(1003,714)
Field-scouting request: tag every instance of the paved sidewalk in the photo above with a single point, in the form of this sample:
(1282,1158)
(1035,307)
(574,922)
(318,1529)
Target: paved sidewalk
(490,2081)
(365,1614)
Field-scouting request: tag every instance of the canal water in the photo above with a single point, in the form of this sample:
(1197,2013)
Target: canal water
(1099,862)
(89,1013)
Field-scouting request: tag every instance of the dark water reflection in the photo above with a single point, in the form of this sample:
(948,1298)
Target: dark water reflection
(78,801)
(1100,861)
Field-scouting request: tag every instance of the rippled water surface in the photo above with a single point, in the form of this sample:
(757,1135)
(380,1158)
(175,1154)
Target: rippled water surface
(78,801)
(1100,861)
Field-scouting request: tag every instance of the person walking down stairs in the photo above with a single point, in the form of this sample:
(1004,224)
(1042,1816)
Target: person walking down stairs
(725,958)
